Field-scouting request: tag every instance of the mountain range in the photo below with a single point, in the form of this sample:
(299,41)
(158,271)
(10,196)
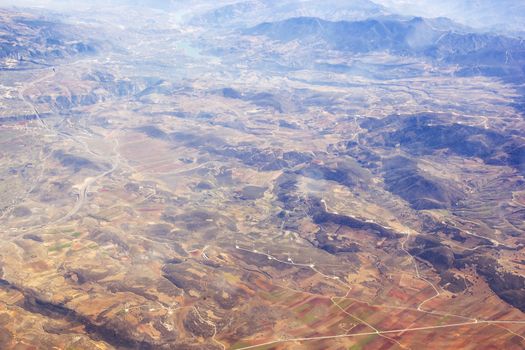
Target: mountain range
(437,39)
(38,41)
(251,12)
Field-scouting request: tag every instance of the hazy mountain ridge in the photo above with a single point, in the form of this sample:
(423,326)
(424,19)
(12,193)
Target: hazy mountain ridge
(29,39)
(504,15)
(489,54)
(249,13)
